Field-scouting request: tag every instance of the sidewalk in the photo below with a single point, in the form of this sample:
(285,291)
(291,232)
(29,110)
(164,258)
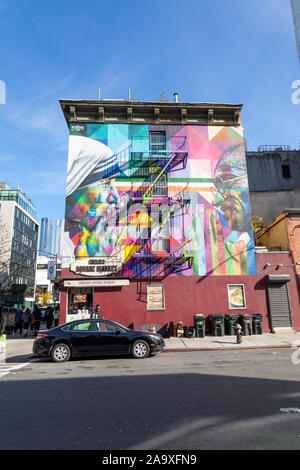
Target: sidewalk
(18,348)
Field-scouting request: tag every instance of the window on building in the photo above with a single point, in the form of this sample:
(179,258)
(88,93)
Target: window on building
(286,170)
(157,141)
(160,187)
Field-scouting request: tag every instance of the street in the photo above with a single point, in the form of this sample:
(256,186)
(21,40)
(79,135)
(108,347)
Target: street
(192,400)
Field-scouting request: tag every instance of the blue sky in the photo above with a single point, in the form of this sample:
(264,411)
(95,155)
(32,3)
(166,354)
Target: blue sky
(229,51)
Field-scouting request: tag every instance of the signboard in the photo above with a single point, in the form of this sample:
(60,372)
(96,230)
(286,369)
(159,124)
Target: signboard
(80,298)
(51,270)
(236,296)
(155,297)
(100,266)
(96,283)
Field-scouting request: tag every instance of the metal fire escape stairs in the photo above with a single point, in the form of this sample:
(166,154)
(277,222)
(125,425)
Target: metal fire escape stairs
(166,160)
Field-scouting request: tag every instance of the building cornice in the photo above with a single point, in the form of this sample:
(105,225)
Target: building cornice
(138,112)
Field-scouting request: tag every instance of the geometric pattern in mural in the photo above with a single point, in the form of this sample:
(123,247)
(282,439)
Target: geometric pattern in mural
(164,199)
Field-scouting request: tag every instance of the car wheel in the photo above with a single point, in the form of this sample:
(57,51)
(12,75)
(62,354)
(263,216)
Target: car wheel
(140,349)
(61,353)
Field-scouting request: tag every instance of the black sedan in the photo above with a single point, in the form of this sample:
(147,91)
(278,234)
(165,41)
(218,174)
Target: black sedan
(95,337)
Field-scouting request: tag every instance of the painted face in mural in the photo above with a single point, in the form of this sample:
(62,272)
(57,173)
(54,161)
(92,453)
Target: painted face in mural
(92,197)
(231,197)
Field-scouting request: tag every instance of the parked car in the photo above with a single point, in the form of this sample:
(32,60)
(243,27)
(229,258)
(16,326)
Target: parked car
(7,322)
(94,337)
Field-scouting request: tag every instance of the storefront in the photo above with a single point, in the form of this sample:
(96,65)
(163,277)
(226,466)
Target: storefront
(79,295)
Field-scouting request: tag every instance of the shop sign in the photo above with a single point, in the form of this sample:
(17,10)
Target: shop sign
(96,266)
(155,297)
(96,283)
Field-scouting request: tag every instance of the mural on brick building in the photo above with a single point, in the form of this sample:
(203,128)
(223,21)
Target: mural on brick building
(161,199)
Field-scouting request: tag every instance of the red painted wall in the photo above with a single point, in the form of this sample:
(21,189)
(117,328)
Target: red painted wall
(187,296)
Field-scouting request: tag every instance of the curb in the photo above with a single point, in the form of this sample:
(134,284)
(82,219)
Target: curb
(226,349)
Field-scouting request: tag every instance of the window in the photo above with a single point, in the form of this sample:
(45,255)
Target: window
(155,297)
(105,327)
(160,187)
(286,170)
(84,326)
(157,141)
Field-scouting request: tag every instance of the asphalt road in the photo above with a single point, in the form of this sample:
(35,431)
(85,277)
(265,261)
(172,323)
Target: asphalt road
(197,400)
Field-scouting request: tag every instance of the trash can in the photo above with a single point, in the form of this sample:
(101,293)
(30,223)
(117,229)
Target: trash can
(257,324)
(230,322)
(199,323)
(217,324)
(246,324)
(190,332)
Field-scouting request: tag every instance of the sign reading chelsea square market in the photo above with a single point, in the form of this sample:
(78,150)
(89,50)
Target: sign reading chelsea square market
(96,266)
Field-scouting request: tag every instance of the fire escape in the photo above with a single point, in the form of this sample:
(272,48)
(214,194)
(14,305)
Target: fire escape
(153,167)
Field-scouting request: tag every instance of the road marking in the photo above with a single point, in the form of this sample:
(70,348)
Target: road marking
(6,368)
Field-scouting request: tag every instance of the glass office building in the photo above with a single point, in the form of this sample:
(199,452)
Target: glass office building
(45,244)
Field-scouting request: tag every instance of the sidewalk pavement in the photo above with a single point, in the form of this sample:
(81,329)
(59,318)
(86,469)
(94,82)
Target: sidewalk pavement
(19,348)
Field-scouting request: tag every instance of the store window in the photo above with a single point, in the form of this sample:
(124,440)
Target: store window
(80,302)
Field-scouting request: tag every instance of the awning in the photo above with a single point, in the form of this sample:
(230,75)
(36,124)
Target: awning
(96,282)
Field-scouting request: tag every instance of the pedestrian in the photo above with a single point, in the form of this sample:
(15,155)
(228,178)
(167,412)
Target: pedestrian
(27,317)
(18,320)
(97,312)
(56,316)
(49,317)
(36,319)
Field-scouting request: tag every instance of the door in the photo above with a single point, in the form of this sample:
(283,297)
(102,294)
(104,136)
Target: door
(110,339)
(82,337)
(279,303)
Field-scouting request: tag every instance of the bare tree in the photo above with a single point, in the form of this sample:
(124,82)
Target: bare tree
(162,98)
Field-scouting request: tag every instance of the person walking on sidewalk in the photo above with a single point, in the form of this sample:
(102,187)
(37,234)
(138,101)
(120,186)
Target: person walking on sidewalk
(49,317)
(27,317)
(56,316)
(19,320)
(36,319)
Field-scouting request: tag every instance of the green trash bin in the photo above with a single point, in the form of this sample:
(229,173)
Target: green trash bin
(230,322)
(199,324)
(246,324)
(257,324)
(217,325)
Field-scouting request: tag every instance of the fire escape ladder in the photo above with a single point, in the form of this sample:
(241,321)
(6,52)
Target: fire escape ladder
(148,193)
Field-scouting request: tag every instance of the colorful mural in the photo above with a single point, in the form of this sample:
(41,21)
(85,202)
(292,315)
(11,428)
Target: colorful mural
(162,200)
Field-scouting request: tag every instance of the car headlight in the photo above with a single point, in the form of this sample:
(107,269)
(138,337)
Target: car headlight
(154,337)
